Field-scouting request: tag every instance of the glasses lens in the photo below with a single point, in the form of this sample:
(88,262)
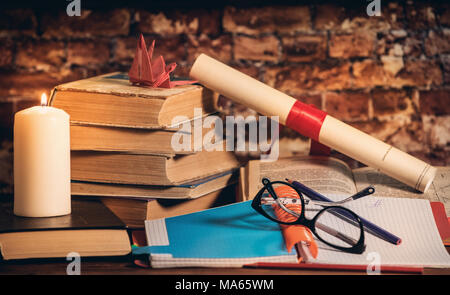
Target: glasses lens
(338,227)
(287,208)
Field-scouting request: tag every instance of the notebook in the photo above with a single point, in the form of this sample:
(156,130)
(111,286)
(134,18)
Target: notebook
(235,234)
(227,236)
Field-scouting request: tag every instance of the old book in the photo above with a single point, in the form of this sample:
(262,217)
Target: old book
(90,230)
(135,140)
(111,100)
(332,177)
(188,190)
(133,212)
(145,169)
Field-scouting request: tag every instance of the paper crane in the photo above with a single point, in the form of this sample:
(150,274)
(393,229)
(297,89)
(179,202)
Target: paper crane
(146,72)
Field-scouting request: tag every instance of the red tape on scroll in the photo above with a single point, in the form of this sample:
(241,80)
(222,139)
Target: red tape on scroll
(306,120)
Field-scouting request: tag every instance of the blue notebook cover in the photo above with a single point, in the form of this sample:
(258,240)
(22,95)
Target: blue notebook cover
(233,232)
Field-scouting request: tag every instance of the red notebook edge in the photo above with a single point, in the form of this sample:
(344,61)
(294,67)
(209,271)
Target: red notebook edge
(442,221)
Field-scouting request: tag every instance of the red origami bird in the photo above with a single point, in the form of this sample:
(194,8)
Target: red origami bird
(146,72)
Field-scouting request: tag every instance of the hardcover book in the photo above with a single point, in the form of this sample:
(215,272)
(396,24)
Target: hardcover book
(127,168)
(111,100)
(90,230)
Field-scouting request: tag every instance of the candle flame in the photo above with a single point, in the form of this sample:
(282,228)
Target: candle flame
(43,99)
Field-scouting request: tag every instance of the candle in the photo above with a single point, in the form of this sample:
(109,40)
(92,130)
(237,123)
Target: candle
(41,161)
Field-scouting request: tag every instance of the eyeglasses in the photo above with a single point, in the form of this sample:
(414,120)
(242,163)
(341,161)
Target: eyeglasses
(334,225)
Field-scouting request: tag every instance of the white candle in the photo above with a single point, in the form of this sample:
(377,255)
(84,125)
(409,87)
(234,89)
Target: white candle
(41,161)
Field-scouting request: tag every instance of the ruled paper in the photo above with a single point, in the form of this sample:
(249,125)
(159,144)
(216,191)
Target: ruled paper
(410,219)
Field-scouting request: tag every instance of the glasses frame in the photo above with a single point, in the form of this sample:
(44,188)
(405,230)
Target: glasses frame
(358,248)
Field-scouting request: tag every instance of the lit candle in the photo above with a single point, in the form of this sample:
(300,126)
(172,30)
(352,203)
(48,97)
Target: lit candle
(41,161)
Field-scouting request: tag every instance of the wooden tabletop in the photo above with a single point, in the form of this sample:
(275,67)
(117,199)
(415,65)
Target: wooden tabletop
(125,266)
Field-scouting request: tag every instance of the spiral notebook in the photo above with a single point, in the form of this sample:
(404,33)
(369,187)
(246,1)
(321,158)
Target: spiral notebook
(235,235)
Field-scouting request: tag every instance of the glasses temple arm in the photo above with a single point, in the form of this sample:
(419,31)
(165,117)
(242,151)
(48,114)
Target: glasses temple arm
(363,193)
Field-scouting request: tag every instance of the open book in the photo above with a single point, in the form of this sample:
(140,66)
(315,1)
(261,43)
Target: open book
(332,177)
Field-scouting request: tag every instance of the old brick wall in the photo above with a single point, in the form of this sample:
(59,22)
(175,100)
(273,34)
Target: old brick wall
(387,75)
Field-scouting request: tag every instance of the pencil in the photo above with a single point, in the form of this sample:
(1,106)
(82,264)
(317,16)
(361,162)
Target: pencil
(371,227)
(349,267)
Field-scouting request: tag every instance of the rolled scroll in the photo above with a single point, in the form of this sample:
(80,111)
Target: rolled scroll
(312,122)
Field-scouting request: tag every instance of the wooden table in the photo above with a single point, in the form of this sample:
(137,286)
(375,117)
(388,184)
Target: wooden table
(125,266)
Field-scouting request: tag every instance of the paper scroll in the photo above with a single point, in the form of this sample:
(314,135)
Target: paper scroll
(312,122)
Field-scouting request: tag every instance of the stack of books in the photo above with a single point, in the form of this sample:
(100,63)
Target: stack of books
(122,146)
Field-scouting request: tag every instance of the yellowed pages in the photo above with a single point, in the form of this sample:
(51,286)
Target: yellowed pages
(387,186)
(328,176)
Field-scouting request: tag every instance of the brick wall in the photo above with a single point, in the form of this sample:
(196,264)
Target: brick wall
(387,75)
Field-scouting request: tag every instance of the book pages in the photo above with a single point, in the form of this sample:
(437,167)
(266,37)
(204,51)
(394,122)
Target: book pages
(387,186)
(328,176)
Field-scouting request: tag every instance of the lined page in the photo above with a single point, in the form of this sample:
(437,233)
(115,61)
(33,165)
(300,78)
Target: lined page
(410,219)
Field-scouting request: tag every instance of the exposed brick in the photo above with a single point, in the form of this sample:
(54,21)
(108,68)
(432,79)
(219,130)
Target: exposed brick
(436,129)
(259,48)
(170,22)
(436,157)
(29,84)
(125,49)
(351,45)
(32,85)
(40,54)
(399,43)
(392,64)
(88,53)
(90,24)
(379,129)
(250,70)
(210,21)
(347,106)
(412,46)
(172,49)
(391,102)
(328,16)
(312,99)
(17,22)
(420,15)
(437,42)
(435,102)
(349,19)
(219,48)
(445,59)
(302,48)
(443,12)
(279,19)
(369,73)
(167,22)
(296,79)
(420,73)
(6,52)
(410,138)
